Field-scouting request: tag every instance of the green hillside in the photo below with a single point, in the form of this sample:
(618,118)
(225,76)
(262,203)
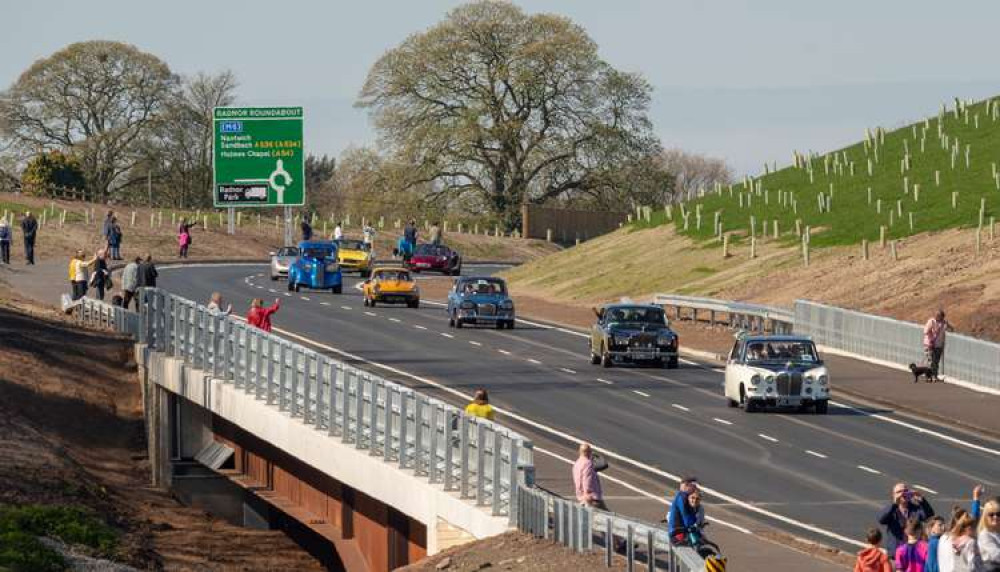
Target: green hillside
(887,179)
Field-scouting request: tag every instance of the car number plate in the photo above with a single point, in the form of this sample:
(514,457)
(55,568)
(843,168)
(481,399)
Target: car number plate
(423,264)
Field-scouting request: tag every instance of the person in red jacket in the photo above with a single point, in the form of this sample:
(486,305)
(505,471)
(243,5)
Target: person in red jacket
(259,316)
(873,559)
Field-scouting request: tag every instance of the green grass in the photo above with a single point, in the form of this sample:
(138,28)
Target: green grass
(851,217)
(20,527)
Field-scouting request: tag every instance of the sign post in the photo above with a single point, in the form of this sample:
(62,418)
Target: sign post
(258,159)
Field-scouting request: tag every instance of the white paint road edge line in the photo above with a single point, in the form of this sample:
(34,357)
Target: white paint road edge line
(869,470)
(574,439)
(815,454)
(767,437)
(642,393)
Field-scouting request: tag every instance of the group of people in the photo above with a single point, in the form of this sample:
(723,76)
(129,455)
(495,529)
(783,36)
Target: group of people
(408,242)
(94,272)
(918,540)
(29,231)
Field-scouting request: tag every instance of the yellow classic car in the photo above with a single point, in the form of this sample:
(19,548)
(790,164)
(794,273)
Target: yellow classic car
(391,285)
(355,256)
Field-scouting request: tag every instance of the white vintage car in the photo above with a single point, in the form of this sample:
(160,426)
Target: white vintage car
(776,371)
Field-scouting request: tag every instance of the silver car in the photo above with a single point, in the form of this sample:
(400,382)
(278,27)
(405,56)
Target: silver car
(281,260)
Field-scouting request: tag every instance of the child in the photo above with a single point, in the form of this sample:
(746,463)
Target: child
(935,528)
(910,557)
(872,559)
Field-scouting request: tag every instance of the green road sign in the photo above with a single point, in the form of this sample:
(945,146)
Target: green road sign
(258,160)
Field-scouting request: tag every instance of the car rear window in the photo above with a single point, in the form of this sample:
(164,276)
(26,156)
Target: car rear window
(288,251)
(392,275)
(483,286)
(432,250)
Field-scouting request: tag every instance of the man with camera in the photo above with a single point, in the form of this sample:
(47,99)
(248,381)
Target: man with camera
(906,504)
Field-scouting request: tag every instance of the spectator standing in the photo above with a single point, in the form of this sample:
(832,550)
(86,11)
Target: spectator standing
(338,231)
(912,555)
(184,238)
(935,526)
(260,316)
(989,534)
(29,229)
(101,279)
(80,273)
(586,482)
(436,234)
(216,303)
(115,239)
(130,282)
(148,273)
(106,227)
(307,229)
(480,406)
(934,334)
(410,233)
(404,249)
(872,559)
(5,235)
(958,550)
(906,504)
(368,234)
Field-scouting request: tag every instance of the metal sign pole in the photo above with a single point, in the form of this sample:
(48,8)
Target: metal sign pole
(232,220)
(289,231)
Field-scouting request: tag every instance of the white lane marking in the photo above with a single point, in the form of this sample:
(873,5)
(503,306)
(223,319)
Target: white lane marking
(272,291)
(605,381)
(767,437)
(259,287)
(723,421)
(306,298)
(530,323)
(447,335)
(346,308)
(575,439)
(923,488)
(397,320)
(679,406)
(475,343)
(567,370)
(261,275)
(918,429)
(324,303)
(534,361)
(287,294)
(869,470)
(642,393)
(815,454)
(371,314)
(504,352)
(419,327)
(717,369)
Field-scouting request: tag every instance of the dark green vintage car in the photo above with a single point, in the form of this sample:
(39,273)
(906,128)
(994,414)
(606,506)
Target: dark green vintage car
(633,333)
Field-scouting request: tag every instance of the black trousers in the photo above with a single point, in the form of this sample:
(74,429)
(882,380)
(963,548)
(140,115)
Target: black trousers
(5,251)
(128,298)
(29,250)
(79,289)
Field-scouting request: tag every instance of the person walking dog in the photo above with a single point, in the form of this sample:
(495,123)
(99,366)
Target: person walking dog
(934,335)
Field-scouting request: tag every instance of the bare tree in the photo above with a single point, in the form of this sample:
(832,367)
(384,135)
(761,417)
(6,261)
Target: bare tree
(692,172)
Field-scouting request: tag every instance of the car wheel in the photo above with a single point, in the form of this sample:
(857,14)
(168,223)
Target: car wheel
(605,358)
(658,363)
(732,402)
(748,404)
(274,278)
(822,407)
(298,287)
(451,320)
(339,288)
(510,325)
(413,304)
(291,286)
(594,358)
(672,364)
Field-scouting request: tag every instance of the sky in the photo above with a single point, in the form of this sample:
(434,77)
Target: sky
(745,81)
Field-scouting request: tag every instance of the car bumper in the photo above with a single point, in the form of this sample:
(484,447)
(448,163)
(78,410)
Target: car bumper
(787,400)
(429,266)
(395,297)
(643,354)
(471,317)
(354,265)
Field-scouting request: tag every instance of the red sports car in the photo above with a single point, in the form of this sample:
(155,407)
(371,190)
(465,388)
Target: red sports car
(436,258)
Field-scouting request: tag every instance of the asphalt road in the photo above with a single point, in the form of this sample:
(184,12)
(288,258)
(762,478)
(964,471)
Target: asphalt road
(817,477)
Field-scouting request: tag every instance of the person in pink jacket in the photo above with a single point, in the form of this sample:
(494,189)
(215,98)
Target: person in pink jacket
(911,556)
(586,482)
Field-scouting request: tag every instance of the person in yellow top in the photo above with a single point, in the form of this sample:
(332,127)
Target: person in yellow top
(480,406)
(79,273)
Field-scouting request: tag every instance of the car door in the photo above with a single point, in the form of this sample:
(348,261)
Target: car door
(596,336)
(732,380)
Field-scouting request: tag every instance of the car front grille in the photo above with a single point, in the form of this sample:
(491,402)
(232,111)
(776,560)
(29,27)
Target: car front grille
(642,341)
(487,309)
(789,383)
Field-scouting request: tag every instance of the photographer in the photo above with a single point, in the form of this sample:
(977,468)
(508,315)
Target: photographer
(906,504)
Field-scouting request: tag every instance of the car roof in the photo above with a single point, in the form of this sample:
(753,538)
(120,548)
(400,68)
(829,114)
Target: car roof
(317,244)
(775,338)
(390,269)
(474,278)
(630,305)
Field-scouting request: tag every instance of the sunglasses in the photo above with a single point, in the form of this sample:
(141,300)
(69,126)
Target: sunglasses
(992,514)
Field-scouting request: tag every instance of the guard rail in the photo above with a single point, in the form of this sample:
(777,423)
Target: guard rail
(752,317)
(483,461)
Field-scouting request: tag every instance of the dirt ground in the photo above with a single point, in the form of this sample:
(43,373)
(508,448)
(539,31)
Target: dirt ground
(250,241)
(71,433)
(512,551)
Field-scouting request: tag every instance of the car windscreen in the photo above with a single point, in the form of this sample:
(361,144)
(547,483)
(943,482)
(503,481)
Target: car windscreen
(288,251)
(490,286)
(393,275)
(431,250)
(352,245)
(316,253)
(637,314)
(779,351)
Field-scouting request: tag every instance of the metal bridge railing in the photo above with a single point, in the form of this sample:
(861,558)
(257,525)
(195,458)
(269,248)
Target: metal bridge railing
(740,315)
(484,462)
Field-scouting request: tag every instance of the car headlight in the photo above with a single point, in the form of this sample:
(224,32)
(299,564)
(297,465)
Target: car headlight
(332,267)
(507,305)
(416,289)
(769,379)
(665,341)
(468,305)
(823,380)
(810,379)
(755,379)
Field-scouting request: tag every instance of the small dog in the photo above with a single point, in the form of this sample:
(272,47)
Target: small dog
(923,370)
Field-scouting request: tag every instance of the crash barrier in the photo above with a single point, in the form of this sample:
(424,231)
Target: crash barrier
(967,359)
(739,315)
(482,461)
(583,528)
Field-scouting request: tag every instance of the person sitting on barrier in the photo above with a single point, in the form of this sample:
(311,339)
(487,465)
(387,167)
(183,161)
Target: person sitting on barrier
(873,559)
(586,482)
(259,316)
(480,406)
(680,516)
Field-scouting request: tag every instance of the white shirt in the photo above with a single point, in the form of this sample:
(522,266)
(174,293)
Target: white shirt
(989,547)
(338,233)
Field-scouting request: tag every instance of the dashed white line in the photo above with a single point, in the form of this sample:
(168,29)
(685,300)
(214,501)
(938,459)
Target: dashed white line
(925,489)
(447,335)
(324,303)
(679,406)
(346,308)
(869,470)
(272,290)
(475,343)
(504,352)
(534,361)
(567,370)
(397,320)
(419,327)
(306,298)
(642,393)
(259,287)
(371,314)
(815,454)
(287,294)
(767,437)
(723,421)
(605,381)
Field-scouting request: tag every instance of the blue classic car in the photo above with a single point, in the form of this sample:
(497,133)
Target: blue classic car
(480,300)
(316,267)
